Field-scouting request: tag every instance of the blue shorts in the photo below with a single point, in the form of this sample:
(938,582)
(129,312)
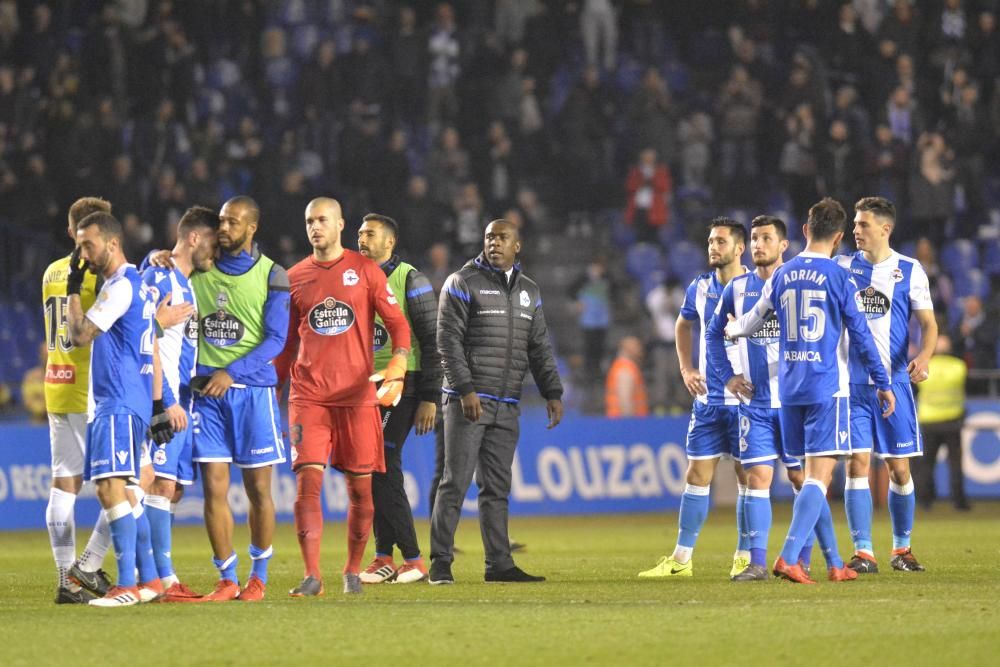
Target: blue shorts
(114,447)
(241,427)
(714,431)
(760,437)
(820,429)
(173,460)
(895,437)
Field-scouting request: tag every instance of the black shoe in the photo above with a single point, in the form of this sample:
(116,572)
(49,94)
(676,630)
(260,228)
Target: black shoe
(66,596)
(963,506)
(440,573)
(863,563)
(905,561)
(96,583)
(514,575)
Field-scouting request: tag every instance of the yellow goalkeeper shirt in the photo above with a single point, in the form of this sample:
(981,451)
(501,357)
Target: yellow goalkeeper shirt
(67,370)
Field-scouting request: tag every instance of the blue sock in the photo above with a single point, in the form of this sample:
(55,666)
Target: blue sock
(158,512)
(144,547)
(694,509)
(806,510)
(828,537)
(122,526)
(807,549)
(742,532)
(858,504)
(260,557)
(758,511)
(227,567)
(902,504)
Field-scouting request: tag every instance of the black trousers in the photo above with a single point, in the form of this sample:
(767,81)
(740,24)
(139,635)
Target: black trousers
(393,521)
(948,434)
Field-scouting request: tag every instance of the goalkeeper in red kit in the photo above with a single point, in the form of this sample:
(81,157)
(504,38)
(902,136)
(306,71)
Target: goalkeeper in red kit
(333,415)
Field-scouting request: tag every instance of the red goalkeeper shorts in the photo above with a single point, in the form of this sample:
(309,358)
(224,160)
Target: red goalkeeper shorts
(348,438)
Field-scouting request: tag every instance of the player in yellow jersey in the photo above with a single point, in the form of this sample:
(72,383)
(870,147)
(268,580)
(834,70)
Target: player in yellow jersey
(67,374)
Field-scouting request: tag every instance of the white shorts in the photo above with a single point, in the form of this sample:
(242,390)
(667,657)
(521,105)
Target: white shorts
(68,438)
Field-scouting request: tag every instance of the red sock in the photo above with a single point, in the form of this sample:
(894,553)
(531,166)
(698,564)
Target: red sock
(360,512)
(309,517)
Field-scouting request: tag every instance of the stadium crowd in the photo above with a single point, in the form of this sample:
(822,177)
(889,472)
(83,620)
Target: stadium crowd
(627,119)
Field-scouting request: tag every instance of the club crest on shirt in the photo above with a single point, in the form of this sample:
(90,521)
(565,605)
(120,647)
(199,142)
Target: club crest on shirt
(331,317)
(896,275)
(872,303)
(221,300)
(351,277)
(525,299)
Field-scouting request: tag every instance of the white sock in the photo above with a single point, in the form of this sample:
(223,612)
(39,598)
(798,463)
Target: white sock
(62,531)
(682,554)
(97,547)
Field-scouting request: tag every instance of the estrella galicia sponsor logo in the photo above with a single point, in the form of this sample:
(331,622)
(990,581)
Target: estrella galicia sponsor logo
(381,336)
(222,329)
(769,333)
(872,303)
(191,328)
(331,317)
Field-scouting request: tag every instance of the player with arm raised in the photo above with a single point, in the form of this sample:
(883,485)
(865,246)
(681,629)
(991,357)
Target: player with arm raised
(333,414)
(814,300)
(891,288)
(714,429)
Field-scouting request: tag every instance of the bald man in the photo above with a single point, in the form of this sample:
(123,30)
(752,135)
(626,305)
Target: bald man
(243,322)
(491,331)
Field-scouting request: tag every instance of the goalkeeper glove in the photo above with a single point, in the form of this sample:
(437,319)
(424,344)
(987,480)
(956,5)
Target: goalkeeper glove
(160,430)
(77,270)
(392,381)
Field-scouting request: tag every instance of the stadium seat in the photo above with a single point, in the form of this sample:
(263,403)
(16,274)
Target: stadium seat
(623,235)
(960,253)
(991,257)
(908,249)
(642,259)
(970,282)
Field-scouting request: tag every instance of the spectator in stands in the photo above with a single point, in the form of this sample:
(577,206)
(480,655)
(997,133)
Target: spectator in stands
(653,117)
(321,83)
(947,35)
(888,166)
(591,294)
(942,290)
(33,388)
(439,257)
(798,160)
(739,106)
(444,53)
(625,389)
(510,17)
(599,28)
(447,167)
(470,217)
(663,303)
(968,124)
(364,73)
(985,45)
(696,135)
(495,167)
(932,189)
(901,28)
(941,413)
(902,116)
(649,187)
(840,177)
(585,126)
(975,337)
(848,45)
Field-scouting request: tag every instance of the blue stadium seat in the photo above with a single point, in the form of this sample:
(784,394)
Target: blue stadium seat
(970,282)
(642,259)
(959,254)
(623,235)
(991,257)
(908,249)
(685,260)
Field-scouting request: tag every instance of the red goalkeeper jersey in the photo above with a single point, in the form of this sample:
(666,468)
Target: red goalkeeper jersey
(329,353)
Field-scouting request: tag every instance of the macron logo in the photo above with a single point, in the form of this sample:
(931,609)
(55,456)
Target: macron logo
(122,457)
(843,437)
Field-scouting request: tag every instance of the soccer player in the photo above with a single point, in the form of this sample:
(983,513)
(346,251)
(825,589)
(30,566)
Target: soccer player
(417,408)
(760,428)
(333,412)
(124,387)
(67,372)
(243,301)
(714,429)
(813,299)
(172,464)
(891,288)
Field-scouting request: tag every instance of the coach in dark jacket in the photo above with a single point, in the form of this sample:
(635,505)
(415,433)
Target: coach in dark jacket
(491,331)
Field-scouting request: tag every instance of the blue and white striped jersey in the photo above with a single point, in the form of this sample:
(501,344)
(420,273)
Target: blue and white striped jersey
(888,293)
(758,353)
(179,344)
(700,301)
(814,298)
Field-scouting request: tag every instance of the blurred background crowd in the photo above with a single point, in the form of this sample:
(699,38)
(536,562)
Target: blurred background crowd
(609,130)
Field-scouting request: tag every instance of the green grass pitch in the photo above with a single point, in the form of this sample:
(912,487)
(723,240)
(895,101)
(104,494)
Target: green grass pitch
(592,610)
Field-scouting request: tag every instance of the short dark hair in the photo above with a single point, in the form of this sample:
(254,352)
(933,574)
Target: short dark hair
(197,218)
(244,200)
(770,220)
(878,206)
(738,231)
(826,219)
(106,223)
(385,221)
(84,206)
